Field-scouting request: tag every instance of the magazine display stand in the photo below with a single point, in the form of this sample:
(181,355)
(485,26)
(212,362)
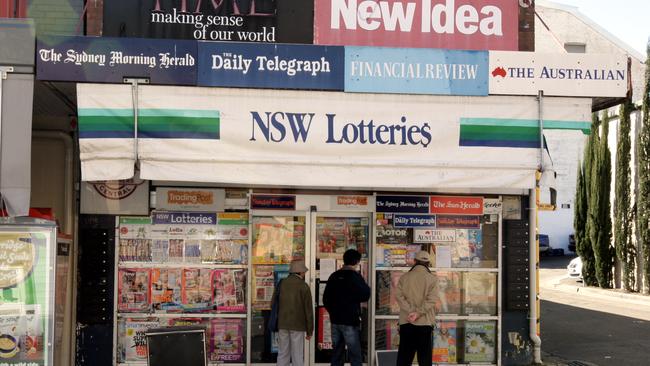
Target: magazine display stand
(182,269)
(465,260)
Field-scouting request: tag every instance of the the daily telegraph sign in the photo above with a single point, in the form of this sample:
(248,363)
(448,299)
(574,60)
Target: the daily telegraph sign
(415,71)
(260,21)
(109,60)
(580,75)
(449,24)
(270,66)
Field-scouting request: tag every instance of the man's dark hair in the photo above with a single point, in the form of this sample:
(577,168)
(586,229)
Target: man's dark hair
(351,257)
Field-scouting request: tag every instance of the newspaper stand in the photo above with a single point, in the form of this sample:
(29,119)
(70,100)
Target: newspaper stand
(173,346)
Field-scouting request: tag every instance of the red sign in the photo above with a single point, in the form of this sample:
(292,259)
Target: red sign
(450,24)
(458,222)
(456,205)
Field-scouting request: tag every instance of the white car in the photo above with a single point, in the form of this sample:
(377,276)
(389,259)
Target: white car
(575,268)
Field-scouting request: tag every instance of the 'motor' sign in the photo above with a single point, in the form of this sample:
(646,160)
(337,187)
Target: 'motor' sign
(451,24)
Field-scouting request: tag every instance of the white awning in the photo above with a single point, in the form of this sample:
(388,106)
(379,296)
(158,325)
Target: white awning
(317,139)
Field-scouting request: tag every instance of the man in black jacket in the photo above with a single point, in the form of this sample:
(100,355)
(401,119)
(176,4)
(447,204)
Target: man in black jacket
(344,293)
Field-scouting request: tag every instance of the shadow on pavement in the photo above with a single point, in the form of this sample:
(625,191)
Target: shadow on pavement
(547,262)
(600,338)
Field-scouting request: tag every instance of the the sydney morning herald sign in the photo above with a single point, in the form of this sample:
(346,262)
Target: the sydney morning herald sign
(263,21)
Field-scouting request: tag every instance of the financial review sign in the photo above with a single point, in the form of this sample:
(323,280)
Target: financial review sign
(450,24)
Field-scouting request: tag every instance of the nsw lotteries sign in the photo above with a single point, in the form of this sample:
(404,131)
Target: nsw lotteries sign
(415,71)
(270,66)
(580,75)
(453,24)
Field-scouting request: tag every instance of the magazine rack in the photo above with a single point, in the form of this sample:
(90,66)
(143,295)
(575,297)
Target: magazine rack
(176,346)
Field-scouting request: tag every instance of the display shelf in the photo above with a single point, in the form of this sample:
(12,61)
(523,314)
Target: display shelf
(183,315)
(442,269)
(178,265)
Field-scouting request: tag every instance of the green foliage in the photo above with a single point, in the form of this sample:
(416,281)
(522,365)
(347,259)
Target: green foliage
(643,194)
(580,211)
(623,215)
(599,208)
(586,250)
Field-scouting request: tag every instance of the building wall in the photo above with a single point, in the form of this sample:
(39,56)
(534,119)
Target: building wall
(555,28)
(57,16)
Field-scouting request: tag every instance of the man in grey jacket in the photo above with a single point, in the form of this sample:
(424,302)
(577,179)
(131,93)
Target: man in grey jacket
(295,316)
(416,298)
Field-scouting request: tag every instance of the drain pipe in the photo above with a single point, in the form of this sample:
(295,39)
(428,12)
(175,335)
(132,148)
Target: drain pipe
(532,262)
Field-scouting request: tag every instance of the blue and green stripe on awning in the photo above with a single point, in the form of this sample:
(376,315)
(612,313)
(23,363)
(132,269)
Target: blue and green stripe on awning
(152,123)
(517,133)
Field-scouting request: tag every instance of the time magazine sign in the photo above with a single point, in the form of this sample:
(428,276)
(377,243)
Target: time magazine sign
(450,24)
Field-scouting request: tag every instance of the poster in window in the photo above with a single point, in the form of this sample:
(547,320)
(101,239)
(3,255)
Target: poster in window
(480,341)
(467,251)
(392,334)
(159,250)
(386,292)
(229,290)
(176,250)
(166,290)
(444,342)
(396,255)
(134,340)
(273,244)
(197,290)
(324,329)
(135,250)
(448,293)
(227,344)
(264,286)
(480,297)
(133,290)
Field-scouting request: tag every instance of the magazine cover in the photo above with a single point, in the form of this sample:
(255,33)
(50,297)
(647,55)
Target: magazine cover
(393,236)
(273,244)
(227,344)
(22,339)
(134,340)
(480,293)
(448,293)
(480,341)
(197,290)
(133,290)
(444,342)
(383,293)
(264,285)
(229,289)
(192,251)
(175,250)
(324,329)
(159,250)
(135,250)
(467,251)
(166,290)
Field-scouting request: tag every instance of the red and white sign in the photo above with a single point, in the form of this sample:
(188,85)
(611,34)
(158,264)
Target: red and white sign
(456,205)
(450,24)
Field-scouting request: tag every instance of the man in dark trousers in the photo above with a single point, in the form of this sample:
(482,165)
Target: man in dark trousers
(416,298)
(344,293)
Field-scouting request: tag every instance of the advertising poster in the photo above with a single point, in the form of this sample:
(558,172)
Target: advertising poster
(166,289)
(396,255)
(197,290)
(480,293)
(445,342)
(456,205)
(264,286)
(448,292)
(134,341)
(426,24)
(227,345)
(324,329)
(467,250)
(335,235)
(229,290)
(133,290)
(480,344)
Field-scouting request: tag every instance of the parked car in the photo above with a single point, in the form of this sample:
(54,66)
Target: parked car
(544,244)
(572,243)
(574,268)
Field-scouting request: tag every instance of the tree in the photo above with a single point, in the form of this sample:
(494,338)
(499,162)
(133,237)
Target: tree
(643,194)
(580,211)
(625,251)
(586,250)
(600,228)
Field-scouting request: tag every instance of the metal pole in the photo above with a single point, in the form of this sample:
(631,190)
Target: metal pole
(532,261)
(3,75)
(540,108)
(135,83)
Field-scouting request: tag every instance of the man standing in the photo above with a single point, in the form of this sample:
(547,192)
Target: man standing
(344,293)
(416,299)
(295,316)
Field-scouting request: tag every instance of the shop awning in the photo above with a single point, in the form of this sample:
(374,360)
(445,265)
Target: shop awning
(317,139)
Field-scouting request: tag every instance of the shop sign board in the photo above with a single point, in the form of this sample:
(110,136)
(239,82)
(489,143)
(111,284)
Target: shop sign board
(447,24)
(492,206)
(273,202)
(190,199)
(183,218)
(117,197)
(414,220)
(459,222)
(270,21)
(110,60)
(270,66)
(434,236)
(457,205)
(405,204)
(415,71)
(350,202)
(568,74)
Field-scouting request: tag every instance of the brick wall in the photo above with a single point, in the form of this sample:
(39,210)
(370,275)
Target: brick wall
(56,16)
